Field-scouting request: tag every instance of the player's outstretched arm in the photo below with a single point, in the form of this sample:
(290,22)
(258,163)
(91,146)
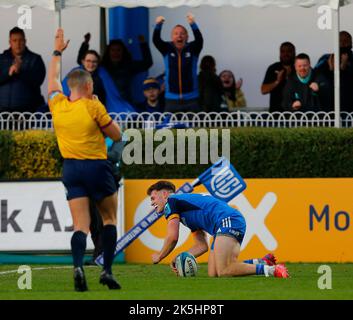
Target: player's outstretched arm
(169,242)
(60,45)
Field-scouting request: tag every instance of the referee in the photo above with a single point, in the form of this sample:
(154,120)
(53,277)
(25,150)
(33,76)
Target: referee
(80,124)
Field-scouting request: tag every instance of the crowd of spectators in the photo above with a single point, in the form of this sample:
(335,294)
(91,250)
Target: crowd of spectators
(292,83)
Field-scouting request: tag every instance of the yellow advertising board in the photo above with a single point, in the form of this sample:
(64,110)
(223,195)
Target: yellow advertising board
(300,220)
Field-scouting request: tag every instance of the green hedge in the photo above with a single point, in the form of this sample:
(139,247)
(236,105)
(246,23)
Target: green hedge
(30,155)
(255,153)
(5,146)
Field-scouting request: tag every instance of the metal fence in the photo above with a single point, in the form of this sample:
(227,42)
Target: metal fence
(26,121)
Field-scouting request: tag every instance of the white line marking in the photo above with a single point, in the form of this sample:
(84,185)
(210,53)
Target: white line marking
(42,268)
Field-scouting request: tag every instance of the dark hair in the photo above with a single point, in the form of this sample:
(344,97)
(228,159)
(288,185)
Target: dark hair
(126,57)
(302,56)
(94,52)
(288,44)
(208,63)
(229,92)
(17,30)
(346,33)
(161,185)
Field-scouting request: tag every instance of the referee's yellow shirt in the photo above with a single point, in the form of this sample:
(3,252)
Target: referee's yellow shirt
(78,126)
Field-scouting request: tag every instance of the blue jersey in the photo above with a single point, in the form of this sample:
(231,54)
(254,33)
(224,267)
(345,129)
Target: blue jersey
(203,212)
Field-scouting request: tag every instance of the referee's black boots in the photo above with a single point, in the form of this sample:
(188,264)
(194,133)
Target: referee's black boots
(109,280)
(80,280)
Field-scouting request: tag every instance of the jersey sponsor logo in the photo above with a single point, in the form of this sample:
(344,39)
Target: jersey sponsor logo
(172,54)
(187,54)
(224,184)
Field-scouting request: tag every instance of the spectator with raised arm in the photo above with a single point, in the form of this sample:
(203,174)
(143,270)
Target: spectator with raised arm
(22,72)
(103,85)
(117,60)
(277,75)
(180,58)
(233,95)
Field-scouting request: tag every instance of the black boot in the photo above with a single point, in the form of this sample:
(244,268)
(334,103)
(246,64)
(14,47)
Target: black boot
(109,280)
(80,280)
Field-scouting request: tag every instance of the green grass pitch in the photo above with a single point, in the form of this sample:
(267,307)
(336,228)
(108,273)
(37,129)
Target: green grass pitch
(157,282)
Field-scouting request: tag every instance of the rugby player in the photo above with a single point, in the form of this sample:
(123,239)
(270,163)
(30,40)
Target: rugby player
(205,213)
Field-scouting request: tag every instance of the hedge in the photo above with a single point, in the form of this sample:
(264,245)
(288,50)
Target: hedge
(255,153)
(30,155)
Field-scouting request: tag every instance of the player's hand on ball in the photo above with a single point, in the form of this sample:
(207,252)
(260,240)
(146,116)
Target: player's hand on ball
(155,258)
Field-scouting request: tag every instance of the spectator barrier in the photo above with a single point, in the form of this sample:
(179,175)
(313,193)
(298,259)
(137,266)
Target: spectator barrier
(25,121)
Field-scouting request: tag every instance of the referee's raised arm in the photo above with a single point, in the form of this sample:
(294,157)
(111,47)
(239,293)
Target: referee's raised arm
(54,83)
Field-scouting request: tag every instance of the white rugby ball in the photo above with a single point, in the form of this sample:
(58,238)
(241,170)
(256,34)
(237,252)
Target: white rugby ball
(186,265)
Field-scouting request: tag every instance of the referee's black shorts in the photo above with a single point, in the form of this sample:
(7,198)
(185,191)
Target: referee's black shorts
(88,178)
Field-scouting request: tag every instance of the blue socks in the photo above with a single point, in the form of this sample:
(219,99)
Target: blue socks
(109,241)
(255,261)
(78,247)
(260,269)
(251,261)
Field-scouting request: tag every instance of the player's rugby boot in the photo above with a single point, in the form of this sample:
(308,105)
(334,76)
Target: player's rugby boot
(80,280)
(269,259)
(281,271)
(109,280)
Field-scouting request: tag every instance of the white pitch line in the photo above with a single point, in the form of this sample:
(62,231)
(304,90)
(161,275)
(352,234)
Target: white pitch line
(42,268)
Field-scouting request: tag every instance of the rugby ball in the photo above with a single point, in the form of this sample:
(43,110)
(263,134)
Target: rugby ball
(186,265)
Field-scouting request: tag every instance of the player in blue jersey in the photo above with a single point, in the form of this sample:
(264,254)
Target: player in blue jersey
(201,214)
